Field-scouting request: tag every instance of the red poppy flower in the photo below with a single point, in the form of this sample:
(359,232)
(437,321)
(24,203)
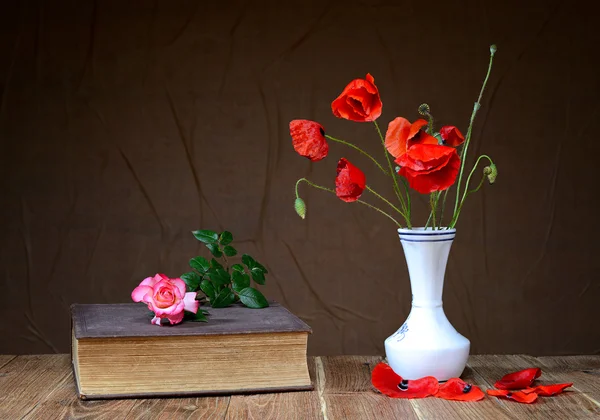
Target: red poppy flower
(359,101)
(519,380)
(308,139)
(547,390)
(401,134)
(518,396)
(389,383)
(429,167)
(458,390)
(451,136)
(350,181)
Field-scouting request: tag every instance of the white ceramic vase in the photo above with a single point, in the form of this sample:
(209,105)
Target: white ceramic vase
(427,344)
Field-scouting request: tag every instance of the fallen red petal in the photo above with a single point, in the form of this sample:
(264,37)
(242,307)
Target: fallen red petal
(519,380)
(548,390)
(391,384)
(518,396)
(456,389)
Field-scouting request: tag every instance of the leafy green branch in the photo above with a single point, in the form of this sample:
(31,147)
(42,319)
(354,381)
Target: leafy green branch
(225,285)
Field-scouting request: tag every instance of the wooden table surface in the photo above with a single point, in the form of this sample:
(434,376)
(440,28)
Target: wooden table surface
(41,387)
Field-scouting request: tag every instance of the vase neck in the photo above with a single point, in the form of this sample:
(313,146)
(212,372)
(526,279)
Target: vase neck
(426,255)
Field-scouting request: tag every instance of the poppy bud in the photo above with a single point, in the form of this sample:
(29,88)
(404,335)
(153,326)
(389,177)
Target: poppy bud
(424,109)
(491,172)
(300,207)
(493,49)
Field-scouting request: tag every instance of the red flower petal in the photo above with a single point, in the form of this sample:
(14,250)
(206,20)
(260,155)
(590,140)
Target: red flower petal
(401,134)
(451,136)
(518,380)
(350,181)
(429,167)
(547,390)
(308,139)
(389,383)
(359,101)
(456,389)
(518,396)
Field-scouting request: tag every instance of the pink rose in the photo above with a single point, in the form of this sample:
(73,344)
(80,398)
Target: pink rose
(166,298)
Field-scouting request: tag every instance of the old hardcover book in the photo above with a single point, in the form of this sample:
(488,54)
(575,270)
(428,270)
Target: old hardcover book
(117,353)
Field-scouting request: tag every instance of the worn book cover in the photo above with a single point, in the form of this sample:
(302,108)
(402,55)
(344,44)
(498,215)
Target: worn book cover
(118,353)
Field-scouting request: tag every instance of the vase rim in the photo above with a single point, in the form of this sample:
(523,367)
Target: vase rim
(428,231)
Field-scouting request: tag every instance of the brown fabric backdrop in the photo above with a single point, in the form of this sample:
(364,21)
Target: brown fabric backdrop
(124,125)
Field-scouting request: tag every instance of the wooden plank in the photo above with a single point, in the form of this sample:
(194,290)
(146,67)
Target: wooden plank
(367,405)
(570,405)
(4,359)
(287,405)
(63,403)
(436,408)
(175,408)
(348,374)
(26,381)
(583,371)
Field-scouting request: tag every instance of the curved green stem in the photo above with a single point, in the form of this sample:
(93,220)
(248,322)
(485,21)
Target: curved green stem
(393,175)
(468,138)
(312,184)
(467,192)
(355,147)
(375,193)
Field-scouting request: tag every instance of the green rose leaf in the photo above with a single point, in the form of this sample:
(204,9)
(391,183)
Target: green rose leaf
(206,236)
(240,280)
(215,250)
(215,264)
(257,270)
(200,264)
(191,280)
(208,289)
(230,251)
(252,298)
(219,276)
(237,267)
(194,317)
(225,238)
(223,299)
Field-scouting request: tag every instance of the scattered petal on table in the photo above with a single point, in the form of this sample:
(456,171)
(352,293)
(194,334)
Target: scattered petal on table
(391,384)
(518,396)
(458,390)
(547,390)
(519,380)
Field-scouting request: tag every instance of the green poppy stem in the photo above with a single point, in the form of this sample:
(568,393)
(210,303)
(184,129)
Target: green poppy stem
(359,201)
(355,147)
(393,175)
(468,137)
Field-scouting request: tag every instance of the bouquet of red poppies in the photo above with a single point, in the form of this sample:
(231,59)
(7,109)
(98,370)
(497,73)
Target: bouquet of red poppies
(426,160)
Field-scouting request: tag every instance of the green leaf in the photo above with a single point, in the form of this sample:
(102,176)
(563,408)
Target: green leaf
(225,238)
(257,270)
(240,280)
(206,236)
(237,267)
(209,290)
(219,276)
(194,317)
(215,264)
(200,264)
(215,250)
(230,251)
(258,276)
(191,280)
(223,299)
(252,298)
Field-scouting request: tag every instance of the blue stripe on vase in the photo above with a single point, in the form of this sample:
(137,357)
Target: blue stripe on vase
(425,240)
(425,234)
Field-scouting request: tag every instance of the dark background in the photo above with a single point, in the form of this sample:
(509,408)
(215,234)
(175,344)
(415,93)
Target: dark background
(125,125)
